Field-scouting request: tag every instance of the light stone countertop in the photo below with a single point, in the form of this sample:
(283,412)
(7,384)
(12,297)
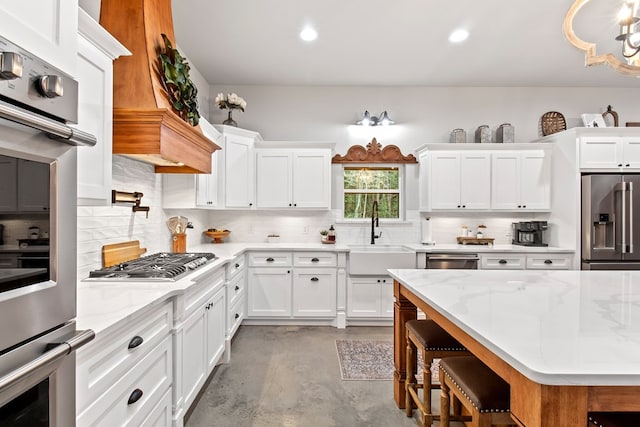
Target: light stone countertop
(102,305)
(555,327)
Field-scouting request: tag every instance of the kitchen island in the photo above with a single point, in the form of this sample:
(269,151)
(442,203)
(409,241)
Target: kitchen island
(567,342)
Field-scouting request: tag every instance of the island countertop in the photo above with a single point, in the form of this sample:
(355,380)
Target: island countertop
(555,327)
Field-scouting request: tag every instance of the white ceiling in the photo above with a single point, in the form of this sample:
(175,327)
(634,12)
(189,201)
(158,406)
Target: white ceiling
(395,42)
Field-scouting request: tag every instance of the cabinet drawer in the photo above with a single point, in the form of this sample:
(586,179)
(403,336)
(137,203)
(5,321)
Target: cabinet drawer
(502,262)
(196,295)
(315,259)
(236,288)
(152,376)
(235,266)
(549,261)
(235,315)
(160,415)
(270,259)
(104,361)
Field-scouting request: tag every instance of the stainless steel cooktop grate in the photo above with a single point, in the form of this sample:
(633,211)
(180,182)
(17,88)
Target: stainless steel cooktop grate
(160,266)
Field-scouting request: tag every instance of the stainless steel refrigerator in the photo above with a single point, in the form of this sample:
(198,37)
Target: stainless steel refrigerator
(611,222)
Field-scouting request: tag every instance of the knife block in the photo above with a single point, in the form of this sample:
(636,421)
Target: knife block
(179,243)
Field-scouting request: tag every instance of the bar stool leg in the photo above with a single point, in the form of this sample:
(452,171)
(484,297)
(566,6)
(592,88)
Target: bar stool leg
(427,360)
(445,403)
(410,378)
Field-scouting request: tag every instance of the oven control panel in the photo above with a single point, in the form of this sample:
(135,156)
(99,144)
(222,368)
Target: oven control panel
(30,83)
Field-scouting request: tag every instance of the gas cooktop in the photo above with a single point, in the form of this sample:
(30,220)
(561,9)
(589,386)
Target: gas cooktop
(162,266)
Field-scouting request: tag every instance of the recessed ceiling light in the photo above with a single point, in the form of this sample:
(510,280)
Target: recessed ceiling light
(308,34)
(458,36)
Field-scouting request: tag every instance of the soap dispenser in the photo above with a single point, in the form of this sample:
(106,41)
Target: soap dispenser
(332,234)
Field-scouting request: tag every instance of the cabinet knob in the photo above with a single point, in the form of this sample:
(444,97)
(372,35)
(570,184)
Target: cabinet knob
(237,288)
(250,204)
(378,280)
(315,260)
(237,265)
(627,165)
(134,396)
(548,261)
(237,315)
(270,259)
(519,206)
(619,165)
(458,205)
(135,342)
(314,279)
(464,206)
(289,204)
(295,204)
(524,206)
(288,271)
(502,261)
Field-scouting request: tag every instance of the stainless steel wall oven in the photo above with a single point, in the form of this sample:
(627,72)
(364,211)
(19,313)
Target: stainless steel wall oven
(38,336)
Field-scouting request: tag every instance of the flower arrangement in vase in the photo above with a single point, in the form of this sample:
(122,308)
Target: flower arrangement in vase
(230,102)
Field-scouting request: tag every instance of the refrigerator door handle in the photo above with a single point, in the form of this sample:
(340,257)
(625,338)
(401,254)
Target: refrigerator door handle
(621,188)
(630,191)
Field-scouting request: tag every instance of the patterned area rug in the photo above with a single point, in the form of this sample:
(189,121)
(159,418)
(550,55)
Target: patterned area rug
(367,359)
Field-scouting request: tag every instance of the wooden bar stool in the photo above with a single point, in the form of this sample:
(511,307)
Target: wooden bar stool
(433,342)
(614,419)
(468,382)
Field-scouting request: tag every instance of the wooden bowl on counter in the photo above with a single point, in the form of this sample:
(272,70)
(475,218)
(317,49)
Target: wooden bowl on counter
(218,236)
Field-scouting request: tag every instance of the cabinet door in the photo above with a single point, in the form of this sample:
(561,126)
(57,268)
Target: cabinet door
(216,329)
(475,181)
(312,179)
(386,297)
(239,172)
(33,186)
(46,29)
(444,181)
(534,181)
(207,187)
(364,297)
(423,182)
(269,292)
(95,101)
(631,152)
(600,153)
(314,292)
(273,179)
(8,184)
(194,359)
(505,185)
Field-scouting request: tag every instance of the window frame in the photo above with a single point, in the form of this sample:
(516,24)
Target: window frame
(401,191)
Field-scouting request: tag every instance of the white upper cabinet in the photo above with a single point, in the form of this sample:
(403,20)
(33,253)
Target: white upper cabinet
(613,152)
(459,180)
(239,147)
(296,178)
(47,29)
(520,181)
(96,51)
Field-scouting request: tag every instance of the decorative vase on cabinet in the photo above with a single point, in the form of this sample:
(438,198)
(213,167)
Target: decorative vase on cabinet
(229,121)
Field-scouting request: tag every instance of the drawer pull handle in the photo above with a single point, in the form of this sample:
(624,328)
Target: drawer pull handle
(237,288)
(548,261)
(237,265)
(135,396)
(315,260)
(237,315)
(502,261)
(270,259)
(314,279)
(135,342)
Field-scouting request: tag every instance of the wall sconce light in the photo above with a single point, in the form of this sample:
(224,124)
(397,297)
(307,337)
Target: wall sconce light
(369,120)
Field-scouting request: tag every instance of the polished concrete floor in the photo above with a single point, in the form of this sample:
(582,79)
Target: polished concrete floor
(289,376)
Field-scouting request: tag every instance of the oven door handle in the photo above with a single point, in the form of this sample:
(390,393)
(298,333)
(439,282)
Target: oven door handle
(20,258)
(54,354)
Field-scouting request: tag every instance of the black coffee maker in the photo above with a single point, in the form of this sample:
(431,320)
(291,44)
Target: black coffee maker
(529,233)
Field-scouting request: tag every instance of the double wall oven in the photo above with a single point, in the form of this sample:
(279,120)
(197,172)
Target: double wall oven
(38,335)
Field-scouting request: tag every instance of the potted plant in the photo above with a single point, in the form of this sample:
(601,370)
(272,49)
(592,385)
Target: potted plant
(325,236)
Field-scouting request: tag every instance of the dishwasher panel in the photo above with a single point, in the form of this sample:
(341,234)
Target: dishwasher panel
(452,261)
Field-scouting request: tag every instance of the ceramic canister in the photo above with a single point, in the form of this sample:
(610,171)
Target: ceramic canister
(483,134)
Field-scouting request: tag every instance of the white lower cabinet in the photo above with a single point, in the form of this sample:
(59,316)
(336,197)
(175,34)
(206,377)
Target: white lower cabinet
(521,261)
(160,415)
(370,297)
(292,285)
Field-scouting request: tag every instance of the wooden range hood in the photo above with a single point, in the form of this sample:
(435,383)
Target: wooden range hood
(145,126)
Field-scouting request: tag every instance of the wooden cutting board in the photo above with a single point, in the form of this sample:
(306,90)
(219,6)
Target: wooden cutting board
(121,252)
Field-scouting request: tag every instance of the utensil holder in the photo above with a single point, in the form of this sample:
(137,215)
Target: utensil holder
(179,243)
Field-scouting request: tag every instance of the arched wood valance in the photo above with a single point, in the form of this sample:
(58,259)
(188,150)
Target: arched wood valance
(374,153)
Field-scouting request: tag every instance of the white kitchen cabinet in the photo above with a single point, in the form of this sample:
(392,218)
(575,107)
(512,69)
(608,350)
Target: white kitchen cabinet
(46,29)
(549,261)
(520,181)
(239,159)
(8,184)
(298,178)
(459,180)
(32,195)
(610,152)
(370,297)
(528,261)
(137,355)
(269,293)
(216,316)
(96,51)
(314,292)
